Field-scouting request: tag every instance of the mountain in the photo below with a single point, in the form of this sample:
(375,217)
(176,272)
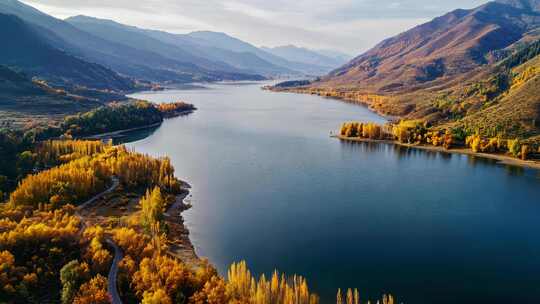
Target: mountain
(17,84)
(442,49)
(224,41)
(244,60)
(26,49)
(137,62)
(210,50)
(176,47)
(335,54)
(476,69)
(306,56)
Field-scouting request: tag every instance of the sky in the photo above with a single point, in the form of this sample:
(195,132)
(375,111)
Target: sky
(350,26)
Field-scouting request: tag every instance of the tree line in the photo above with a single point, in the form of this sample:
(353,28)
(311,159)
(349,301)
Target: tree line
(90,173)
(16,146)
(419,133)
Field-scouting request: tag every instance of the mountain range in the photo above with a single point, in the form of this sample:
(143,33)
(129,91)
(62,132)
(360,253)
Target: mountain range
(126,56)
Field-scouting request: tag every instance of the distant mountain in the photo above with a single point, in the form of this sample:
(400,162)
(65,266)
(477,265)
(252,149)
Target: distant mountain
(27,49)
(140,63)
(442,49)
(306,56)
(224,41)
(335,54)
(177,47)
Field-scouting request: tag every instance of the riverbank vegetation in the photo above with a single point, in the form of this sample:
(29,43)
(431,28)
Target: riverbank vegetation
(51,252)
(417,132)
(174,109)
(16,155)
(123,116)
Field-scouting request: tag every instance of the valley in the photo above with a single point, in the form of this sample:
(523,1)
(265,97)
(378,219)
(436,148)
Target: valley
(150,154)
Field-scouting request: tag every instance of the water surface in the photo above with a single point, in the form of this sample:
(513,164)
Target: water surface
(271,187)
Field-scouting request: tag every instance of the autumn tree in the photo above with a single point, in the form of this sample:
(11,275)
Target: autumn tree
(93,292)
(72,275)
(152,210)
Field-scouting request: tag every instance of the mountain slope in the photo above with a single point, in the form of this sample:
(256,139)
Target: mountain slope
(446,47)
(138,63)
(26,49)
(24,102)
(17,84)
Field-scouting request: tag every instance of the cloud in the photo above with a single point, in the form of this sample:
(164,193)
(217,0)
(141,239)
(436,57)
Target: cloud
(347,25)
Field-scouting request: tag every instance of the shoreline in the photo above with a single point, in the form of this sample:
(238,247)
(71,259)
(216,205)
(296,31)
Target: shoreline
(363,103)
(180,245)
(501,159)
(120,133)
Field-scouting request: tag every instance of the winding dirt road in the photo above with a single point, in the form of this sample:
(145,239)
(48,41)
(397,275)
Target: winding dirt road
(112,288)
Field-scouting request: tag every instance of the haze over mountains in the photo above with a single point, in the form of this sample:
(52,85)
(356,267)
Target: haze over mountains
(27,50)
(324,61)
(103,54)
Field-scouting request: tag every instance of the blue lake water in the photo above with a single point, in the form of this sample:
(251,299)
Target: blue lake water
(272,188)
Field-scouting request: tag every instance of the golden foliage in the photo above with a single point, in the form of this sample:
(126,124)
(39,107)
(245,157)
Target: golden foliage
(165,273)
(33,250)
(84,177)
(134,244)
(63,151)
(93,292)
(152,208)
(364,130)
(69,183)
(242,287)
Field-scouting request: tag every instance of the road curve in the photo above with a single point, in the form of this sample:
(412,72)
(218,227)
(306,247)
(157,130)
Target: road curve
(115,184)
(112,289)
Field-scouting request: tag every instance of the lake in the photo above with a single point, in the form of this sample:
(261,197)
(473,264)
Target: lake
(272,188)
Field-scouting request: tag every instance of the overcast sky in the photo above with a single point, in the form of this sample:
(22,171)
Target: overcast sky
(351,26)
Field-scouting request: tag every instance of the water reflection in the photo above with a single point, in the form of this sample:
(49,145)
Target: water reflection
(403,153)
(515,171)
(134,136)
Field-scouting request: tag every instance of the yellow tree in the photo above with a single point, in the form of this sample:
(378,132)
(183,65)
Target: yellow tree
(152,209)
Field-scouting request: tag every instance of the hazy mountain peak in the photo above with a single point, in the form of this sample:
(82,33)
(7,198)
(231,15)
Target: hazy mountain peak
(17,6)
(83,19)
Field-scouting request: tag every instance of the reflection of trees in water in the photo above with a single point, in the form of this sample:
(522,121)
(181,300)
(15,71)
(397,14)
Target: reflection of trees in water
(474,161)
(515,171)
(135,135)
(406,153)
